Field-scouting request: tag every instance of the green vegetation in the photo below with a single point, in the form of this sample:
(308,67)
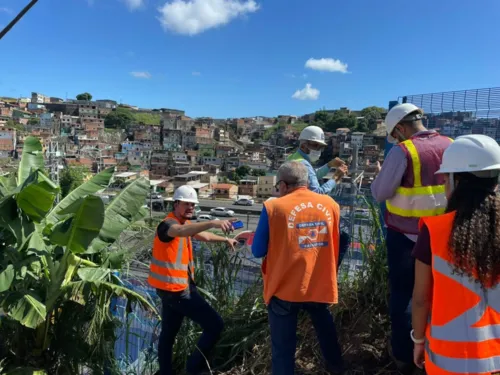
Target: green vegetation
(34,121)
(72,177)
(57,273)
(299,126)
(15,125)
(122,118)
(84,96)
(147,118)
(343,119)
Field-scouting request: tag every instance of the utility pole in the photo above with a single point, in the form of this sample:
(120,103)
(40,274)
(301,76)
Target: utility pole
(17,18)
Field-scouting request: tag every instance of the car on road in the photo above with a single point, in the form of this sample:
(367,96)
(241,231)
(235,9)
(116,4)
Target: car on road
(206,217)
(244,202)
(221,211)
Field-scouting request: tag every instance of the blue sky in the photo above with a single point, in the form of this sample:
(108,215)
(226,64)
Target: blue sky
(230,58)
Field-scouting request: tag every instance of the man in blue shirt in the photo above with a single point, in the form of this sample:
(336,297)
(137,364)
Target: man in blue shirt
(312,143)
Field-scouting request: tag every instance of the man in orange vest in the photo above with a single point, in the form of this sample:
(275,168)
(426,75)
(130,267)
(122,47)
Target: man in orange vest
(172,274)
(300,268)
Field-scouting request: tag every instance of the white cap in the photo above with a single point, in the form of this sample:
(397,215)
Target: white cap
(396,114)
(475,153)
(313,134)
(186,193)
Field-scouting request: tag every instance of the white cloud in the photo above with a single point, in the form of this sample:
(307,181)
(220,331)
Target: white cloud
(134,4)
(307,93)
(326,65)
(6,10)
(197,74)
(145,75)
(191,17)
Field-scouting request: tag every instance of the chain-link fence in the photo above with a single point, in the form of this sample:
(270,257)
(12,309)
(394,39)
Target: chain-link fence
(456,113)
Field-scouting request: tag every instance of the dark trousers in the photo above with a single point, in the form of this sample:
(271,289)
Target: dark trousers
(283,317)
(176,306)
(344,243)
(401,279)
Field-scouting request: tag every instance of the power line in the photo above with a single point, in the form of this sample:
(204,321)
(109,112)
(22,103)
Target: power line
(17,18)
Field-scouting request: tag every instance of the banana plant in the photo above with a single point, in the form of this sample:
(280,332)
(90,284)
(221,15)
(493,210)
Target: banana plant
(56,269)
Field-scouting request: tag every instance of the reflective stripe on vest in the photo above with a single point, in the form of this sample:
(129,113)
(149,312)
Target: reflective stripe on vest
(178,266)
(464,365)
(461,330)
(417,201)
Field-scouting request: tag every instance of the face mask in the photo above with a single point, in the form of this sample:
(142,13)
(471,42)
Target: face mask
(314,155)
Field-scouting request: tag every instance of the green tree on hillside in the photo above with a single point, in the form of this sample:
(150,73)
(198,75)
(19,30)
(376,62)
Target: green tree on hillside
(84,96)
(258,172)
(34,121)
(372,115)
(14,125)
(71,178)
(243,170)
(120,118)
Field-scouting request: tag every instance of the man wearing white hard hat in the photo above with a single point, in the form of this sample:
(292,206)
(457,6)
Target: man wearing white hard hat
(172,274)
(312,144)
(410,188)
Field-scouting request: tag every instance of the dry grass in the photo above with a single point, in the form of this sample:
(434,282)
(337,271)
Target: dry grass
(363,334)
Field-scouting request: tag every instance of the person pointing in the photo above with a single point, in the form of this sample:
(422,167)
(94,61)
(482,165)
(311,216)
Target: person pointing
(172,274)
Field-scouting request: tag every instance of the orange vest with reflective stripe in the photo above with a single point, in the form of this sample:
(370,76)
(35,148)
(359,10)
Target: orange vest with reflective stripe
(301,263)
(463,336)
(172,262)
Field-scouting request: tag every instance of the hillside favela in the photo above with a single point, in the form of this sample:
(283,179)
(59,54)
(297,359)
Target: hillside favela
(203,197)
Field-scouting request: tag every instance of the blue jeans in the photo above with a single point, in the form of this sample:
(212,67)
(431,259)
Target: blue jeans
(401,279)
(176,306)
(283,317)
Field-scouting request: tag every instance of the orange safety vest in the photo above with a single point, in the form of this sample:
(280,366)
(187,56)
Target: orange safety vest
(172,263)
(463,336)
(301,264)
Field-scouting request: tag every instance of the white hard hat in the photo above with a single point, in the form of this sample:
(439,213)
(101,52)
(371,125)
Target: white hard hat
(186,193)
(313,134)
(396,114)
(475,153)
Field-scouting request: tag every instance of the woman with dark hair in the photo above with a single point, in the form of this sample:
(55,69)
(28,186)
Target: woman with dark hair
(456,297)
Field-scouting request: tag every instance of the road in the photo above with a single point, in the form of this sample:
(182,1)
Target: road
(209,203)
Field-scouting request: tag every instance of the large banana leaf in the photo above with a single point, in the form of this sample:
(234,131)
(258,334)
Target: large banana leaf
(78,231)
(76,288)
(13,220)
(97,183)
(6,278)
(7,184)
(37,196)
(31,159)
(26,308)
(120,213)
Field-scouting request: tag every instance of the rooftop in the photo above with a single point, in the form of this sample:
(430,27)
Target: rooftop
(125,174)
